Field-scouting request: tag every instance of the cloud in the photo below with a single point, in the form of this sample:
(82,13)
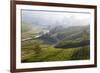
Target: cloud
(55,18)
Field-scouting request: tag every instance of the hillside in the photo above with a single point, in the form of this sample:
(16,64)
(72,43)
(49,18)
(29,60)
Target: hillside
(55,44)
(59,35)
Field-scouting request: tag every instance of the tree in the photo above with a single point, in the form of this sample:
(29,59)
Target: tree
(84,51)
(84,35)
(36,48)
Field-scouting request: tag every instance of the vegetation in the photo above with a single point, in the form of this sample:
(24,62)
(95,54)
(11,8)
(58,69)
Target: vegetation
(54,54)
(59,44)
(36,48)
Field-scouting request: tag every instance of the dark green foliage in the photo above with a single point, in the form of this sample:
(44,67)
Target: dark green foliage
(73,44)
(36,48)
(50,54)
(81,54)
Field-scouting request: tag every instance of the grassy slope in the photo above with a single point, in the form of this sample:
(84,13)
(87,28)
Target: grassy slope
(54,54)
(49,53)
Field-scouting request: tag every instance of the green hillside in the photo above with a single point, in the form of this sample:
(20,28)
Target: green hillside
(60,44)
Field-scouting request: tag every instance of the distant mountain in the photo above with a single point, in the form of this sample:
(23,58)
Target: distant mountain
(78,39)
(59,34)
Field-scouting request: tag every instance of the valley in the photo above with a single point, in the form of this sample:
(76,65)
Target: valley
(56,44)
(48,36)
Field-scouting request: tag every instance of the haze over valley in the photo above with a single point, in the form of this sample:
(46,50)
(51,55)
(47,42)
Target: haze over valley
(54,36)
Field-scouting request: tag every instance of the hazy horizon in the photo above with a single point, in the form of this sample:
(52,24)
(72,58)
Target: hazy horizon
(55,18)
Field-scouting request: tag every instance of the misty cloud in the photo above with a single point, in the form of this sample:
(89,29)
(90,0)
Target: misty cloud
(55,18)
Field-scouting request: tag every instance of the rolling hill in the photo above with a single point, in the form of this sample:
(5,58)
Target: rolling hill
(59,36)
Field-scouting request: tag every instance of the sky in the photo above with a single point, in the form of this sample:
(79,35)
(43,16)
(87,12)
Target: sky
(63,18)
